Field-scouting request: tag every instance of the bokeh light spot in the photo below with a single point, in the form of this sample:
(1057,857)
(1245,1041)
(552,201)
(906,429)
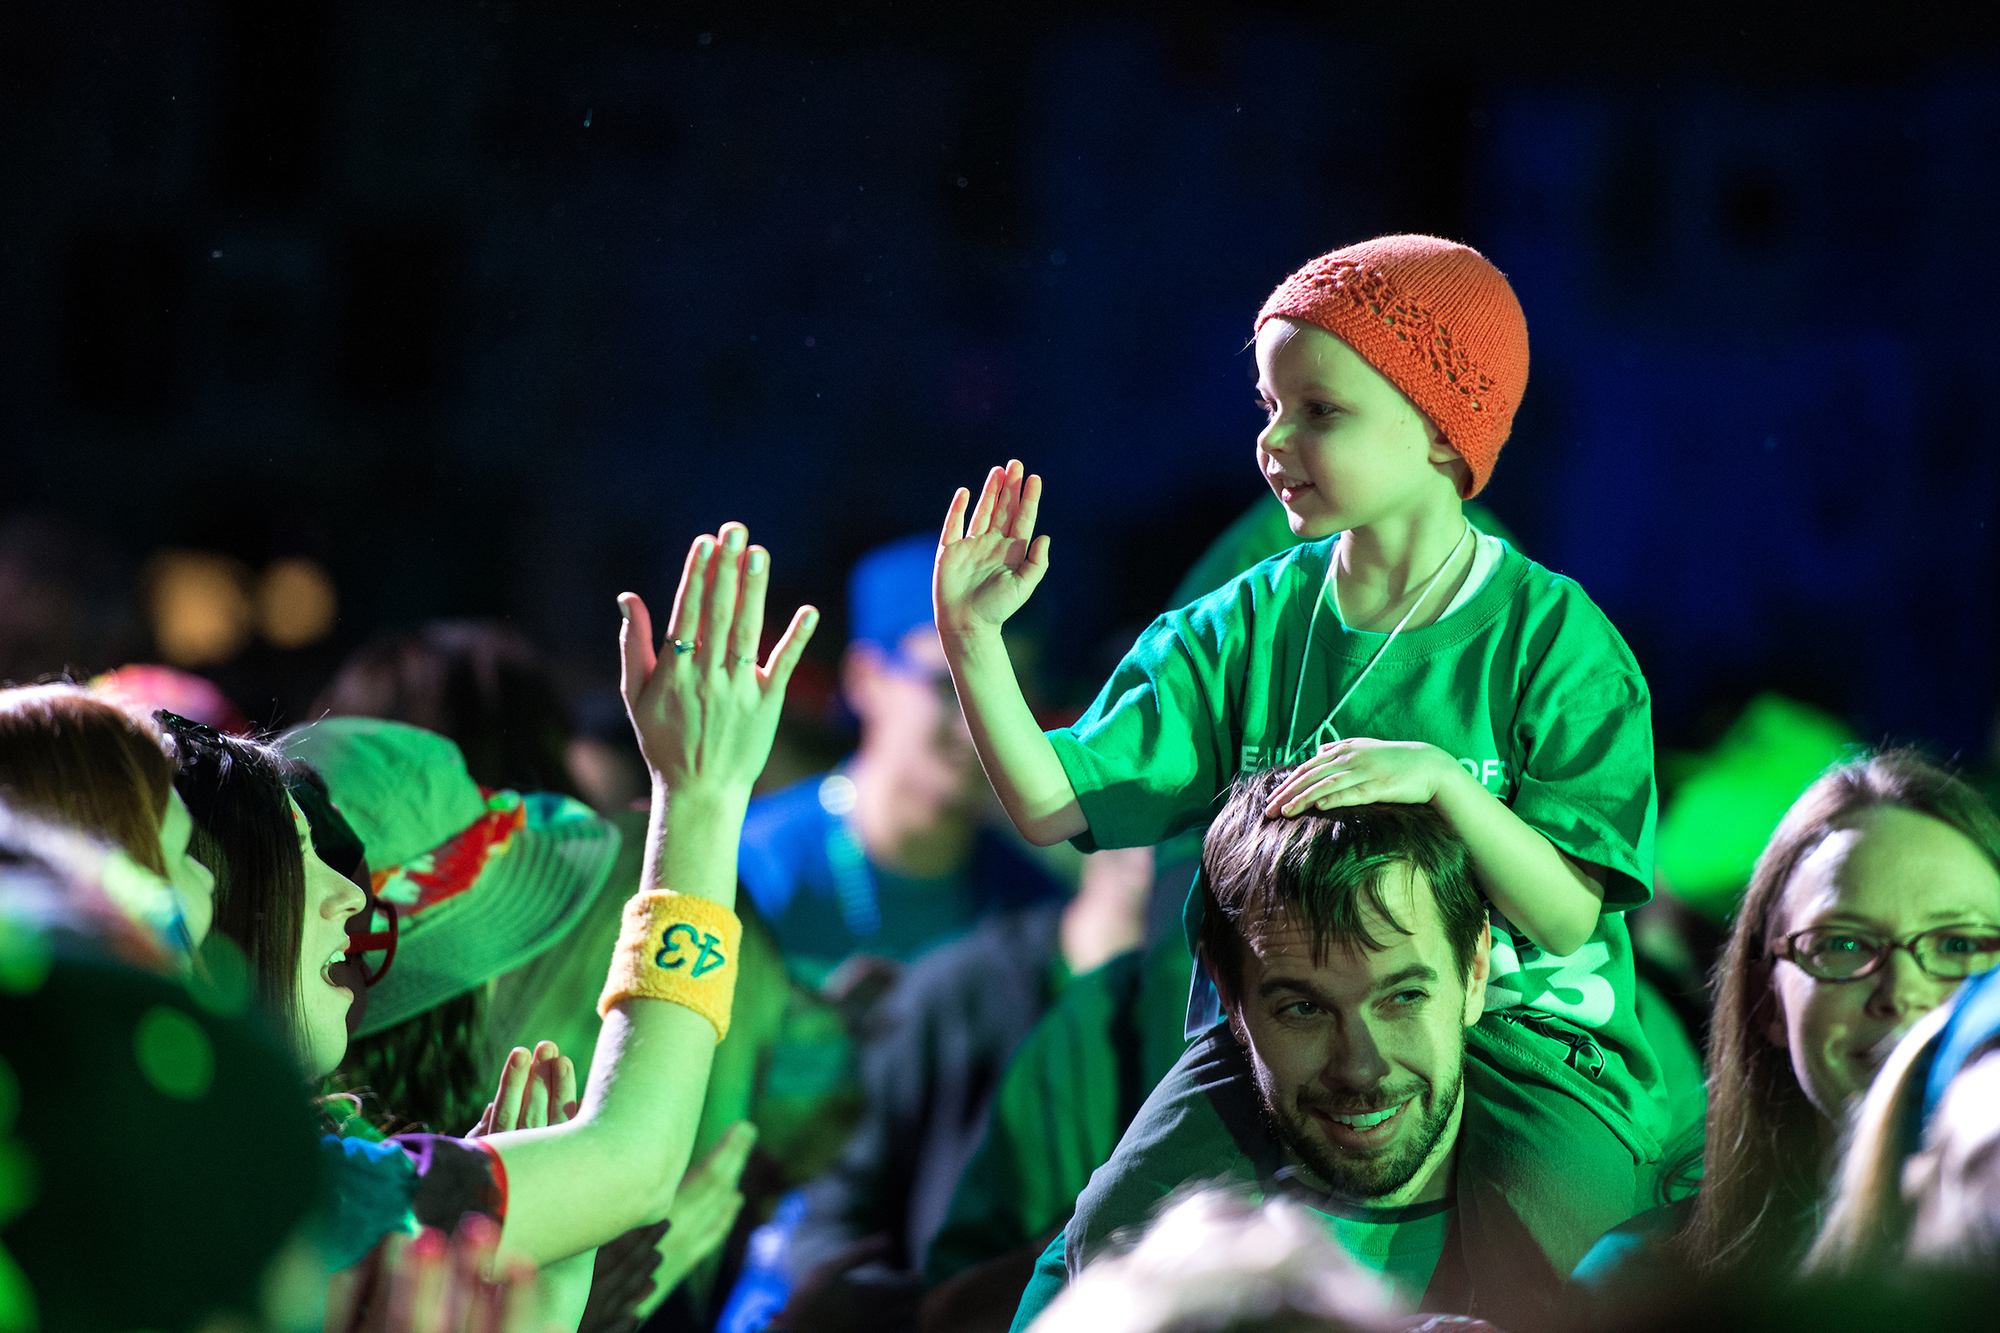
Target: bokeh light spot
(24,960)
(174,1053)
(296,603)
(199,605)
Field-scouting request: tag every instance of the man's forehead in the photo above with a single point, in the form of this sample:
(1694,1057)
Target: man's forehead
(1283,940)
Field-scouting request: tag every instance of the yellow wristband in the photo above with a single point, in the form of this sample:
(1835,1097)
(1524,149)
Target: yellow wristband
(680,949)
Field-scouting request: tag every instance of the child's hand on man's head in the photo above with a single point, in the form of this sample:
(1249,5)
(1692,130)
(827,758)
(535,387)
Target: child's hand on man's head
(989,564)
(1360,771)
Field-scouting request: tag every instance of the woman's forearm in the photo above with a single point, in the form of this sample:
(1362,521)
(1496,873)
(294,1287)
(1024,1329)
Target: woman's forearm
(615,1166)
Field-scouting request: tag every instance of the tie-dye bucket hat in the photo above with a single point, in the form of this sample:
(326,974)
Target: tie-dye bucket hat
(482,880)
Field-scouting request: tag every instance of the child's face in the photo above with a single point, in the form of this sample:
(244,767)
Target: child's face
(194,883)
(1343,447)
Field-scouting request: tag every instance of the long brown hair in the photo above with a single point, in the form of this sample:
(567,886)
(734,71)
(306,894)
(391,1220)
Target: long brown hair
(82,762)
(1761,1167)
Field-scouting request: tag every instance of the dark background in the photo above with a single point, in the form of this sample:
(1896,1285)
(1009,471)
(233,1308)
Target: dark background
(488,307)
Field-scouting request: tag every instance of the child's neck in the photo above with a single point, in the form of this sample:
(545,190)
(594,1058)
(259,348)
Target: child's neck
(1381,569)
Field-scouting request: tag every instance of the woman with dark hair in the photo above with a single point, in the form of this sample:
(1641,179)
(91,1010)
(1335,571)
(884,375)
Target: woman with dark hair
(278,898)
(705,712)
(1878,893)
(83,763)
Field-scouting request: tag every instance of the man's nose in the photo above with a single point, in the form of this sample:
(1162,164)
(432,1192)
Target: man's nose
(1354,1059)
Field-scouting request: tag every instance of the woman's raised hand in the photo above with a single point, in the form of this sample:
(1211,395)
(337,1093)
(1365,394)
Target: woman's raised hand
(704,710)
(989,564)
(537,1088)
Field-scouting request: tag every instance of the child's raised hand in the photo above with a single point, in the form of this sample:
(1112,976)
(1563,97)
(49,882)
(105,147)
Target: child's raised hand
(989,564)
(704,710)
(1359,771)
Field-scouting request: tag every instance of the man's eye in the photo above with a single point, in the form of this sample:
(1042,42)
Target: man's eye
(1409,997)
(1300,1009)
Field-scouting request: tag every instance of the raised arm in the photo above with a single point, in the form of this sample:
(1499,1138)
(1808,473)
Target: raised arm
(705,713)
(987,566)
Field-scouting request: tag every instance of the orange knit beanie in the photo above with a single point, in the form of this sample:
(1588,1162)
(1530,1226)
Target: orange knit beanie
(1436,319)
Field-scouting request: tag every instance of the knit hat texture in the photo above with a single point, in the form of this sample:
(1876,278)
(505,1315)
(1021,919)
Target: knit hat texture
(1436,319)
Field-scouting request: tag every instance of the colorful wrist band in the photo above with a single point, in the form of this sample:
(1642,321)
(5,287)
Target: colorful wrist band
(680,949)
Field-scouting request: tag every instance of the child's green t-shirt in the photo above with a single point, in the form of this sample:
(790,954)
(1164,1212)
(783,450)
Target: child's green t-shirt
(1527,686)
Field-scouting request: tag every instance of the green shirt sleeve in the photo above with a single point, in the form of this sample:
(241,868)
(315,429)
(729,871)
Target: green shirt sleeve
(1150,753)
(1051,1276)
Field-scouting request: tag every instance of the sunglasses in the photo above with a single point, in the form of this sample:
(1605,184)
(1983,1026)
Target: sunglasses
(380,938)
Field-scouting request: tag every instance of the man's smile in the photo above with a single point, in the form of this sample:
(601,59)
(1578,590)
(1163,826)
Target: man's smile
(1362,1131)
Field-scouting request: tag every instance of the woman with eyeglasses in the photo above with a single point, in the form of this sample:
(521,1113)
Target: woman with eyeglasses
(1877,895)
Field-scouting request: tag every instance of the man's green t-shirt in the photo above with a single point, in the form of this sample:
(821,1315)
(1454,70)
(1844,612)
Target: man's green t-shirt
(1527,686)
(1402,1244)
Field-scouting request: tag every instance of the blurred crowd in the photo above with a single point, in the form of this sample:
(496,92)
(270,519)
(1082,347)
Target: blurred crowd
(470,1002)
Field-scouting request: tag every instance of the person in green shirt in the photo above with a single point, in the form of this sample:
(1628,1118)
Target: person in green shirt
(1360,1071)
(1395,656)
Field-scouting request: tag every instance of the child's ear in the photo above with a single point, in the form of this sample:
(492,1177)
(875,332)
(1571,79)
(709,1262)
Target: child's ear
(1446,458)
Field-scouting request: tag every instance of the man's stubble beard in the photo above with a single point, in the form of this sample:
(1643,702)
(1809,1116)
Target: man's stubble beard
(1369,1177)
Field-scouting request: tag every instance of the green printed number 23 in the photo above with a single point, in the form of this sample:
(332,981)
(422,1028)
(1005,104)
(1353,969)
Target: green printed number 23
(707,958)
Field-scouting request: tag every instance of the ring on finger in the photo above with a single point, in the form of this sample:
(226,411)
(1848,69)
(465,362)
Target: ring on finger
(681,646)
(743,661)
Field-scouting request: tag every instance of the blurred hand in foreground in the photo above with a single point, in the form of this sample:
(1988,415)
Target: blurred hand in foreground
(431,1284)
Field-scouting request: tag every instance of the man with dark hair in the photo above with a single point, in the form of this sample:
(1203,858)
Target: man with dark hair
(1359,1072)
(1351,950)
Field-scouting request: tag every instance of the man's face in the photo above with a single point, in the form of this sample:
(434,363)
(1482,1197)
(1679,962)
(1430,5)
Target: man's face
(1359,1058)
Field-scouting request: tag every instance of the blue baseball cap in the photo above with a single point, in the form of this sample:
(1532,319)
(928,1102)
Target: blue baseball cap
(889,593)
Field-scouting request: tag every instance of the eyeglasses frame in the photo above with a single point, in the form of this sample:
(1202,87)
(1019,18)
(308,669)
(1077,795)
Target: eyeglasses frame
(1786,948)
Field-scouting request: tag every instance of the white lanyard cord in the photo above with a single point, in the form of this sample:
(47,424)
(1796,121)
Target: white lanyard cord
(1332,586)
